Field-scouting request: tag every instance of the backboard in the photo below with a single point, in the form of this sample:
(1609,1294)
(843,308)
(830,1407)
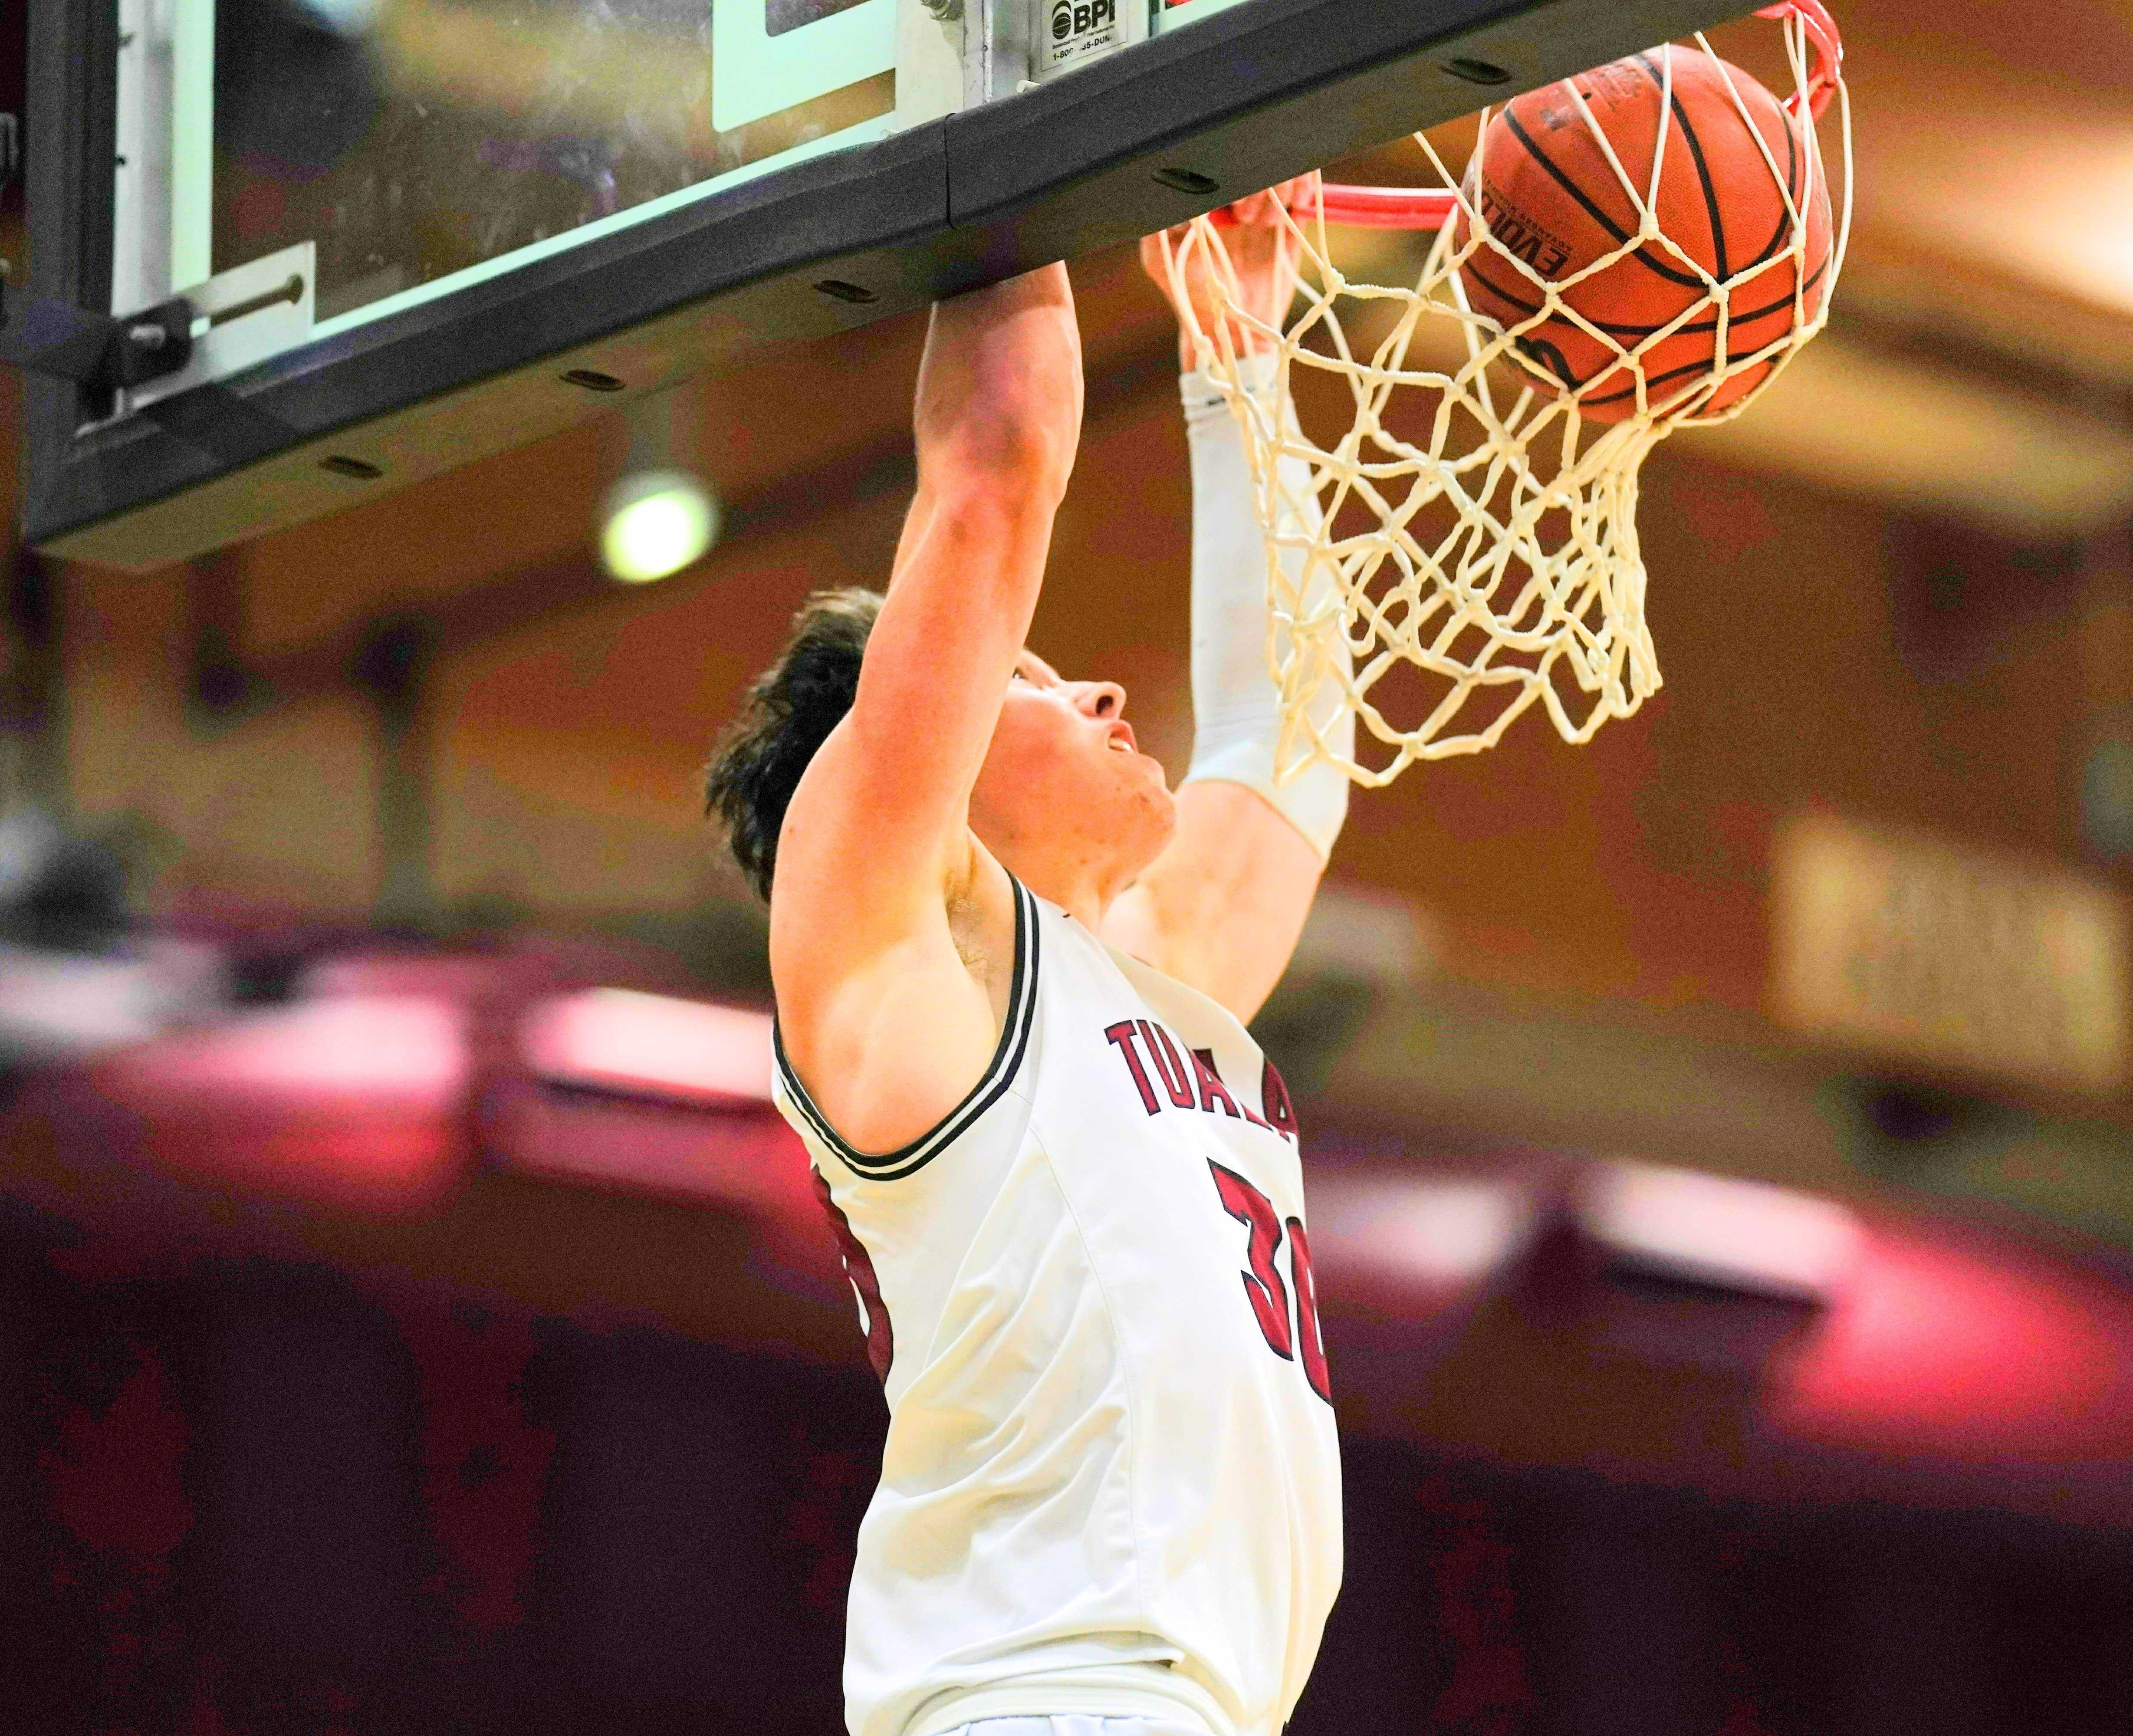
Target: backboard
(415,232)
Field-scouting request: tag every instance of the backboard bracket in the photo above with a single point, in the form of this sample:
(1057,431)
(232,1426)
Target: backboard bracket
(243,316)
(95,350)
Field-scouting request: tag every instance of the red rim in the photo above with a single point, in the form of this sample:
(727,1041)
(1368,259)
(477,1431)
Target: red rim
(1386,208)
(1829,45)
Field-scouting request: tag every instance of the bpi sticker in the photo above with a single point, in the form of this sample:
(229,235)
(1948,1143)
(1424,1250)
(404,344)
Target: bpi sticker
(1072,32)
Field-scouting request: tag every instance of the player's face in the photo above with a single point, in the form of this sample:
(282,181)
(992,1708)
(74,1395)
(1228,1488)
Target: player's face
(1064,779)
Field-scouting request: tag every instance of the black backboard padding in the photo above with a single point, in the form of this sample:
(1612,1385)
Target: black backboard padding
(863,215)
(1254,95)
(1245,97)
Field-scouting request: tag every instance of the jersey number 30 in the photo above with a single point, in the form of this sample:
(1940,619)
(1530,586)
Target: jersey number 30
(1263,1284)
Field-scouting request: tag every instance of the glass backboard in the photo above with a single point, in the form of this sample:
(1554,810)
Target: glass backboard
(417,145)
(415,231)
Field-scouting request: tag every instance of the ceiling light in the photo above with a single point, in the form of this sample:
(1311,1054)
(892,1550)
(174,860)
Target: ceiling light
(660,517)
(655,523)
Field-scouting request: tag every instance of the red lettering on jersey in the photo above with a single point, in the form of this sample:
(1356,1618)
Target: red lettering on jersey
(858,1267)
(1170,1064)
(1310,1346)
(1122,1033)
(1211,1091)
(1263,1285)
(1274,1095)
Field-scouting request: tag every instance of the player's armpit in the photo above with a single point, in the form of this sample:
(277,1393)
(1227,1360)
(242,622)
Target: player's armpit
(1221,907)
(887,1048)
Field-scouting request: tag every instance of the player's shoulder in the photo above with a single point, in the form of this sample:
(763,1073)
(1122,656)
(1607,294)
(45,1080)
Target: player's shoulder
(884,1045)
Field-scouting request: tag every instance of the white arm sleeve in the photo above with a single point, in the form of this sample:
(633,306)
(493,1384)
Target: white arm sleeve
(1237,709)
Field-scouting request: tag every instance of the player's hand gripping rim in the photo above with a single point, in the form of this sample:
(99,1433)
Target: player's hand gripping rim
(1240,289)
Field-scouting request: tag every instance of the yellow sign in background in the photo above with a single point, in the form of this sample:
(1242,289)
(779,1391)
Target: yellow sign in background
(1922,950)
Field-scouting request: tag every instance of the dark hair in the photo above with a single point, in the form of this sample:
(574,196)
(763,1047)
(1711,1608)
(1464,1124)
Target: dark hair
(789,711)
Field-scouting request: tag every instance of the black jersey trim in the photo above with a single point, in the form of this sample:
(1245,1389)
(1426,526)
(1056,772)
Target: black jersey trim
(999,1073)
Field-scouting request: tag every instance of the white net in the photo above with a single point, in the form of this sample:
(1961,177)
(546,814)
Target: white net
(1457,541)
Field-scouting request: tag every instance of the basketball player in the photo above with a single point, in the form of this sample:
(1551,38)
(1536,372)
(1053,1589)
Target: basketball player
(1012,970)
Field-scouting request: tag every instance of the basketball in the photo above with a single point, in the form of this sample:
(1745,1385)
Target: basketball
(1553,204)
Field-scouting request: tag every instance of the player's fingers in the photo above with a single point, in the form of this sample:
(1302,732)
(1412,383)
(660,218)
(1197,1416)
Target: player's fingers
(1298,193)
(1157,250)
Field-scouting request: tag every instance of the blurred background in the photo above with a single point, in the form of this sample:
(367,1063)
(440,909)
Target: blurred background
(412,1316)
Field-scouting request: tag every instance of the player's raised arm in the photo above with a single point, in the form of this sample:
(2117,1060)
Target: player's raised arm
(876,842)
(1222,907)
(997,420)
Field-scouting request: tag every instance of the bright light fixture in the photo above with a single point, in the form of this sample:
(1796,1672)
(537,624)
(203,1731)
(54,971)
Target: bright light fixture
(655,523)
(650,1045)
(1719,1230)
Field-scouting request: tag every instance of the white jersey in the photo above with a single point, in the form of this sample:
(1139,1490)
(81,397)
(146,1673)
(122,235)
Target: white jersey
(1111,1484)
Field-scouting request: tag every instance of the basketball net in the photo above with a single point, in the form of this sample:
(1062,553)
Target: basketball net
(1468,533)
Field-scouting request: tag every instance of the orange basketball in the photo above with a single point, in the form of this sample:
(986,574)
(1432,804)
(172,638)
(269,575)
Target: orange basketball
(1549,196)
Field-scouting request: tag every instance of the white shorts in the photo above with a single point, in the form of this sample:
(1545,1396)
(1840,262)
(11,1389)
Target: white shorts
(1076,1724)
